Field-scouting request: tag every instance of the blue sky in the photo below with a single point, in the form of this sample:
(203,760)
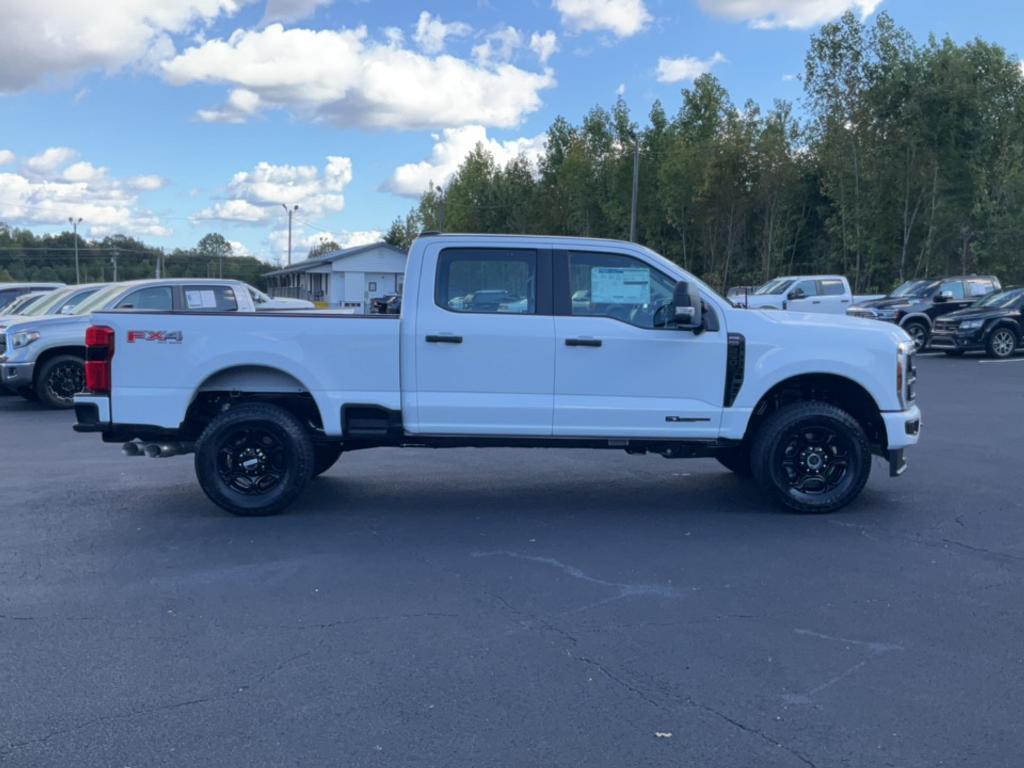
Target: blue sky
(167,119)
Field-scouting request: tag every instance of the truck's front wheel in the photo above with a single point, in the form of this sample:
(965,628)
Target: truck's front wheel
(812,456)
(254,459)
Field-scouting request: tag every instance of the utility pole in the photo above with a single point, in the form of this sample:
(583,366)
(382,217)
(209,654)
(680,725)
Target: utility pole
(290,211)
(636,187)
(113,260)
(74,225)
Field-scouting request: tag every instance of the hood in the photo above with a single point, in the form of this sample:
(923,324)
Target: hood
(831,326)
(43,322)
(980,313)
(889,302)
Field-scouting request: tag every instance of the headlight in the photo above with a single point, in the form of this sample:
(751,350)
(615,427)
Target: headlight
(970,325)
(23,338)
(906,373)
(887,314)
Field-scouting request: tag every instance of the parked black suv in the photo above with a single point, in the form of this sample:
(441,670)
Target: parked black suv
(994,324)
(916,304)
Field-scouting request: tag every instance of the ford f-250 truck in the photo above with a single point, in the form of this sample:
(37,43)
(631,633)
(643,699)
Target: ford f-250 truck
(593,344)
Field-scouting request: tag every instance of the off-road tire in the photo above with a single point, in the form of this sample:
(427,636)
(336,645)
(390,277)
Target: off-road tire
(794,423)
(56,378)
(242,433)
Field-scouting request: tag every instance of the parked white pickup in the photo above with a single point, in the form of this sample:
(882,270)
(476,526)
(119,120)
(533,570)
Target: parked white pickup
(819,294)
(509,341)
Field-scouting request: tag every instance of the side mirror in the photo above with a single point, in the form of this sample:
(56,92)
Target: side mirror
(797,294)
(942,298)
(686,310)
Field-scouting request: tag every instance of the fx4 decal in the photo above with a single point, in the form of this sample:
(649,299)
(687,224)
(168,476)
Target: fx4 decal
(160,337)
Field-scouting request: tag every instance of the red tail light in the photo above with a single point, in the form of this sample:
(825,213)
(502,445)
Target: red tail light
(99,352)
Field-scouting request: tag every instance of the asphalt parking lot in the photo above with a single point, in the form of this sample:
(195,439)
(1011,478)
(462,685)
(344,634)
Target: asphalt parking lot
(532,608)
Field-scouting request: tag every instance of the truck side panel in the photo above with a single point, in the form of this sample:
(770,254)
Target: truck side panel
(162,360)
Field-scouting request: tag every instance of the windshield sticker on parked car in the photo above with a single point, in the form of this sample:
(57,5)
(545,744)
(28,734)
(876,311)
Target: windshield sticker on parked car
(612,285)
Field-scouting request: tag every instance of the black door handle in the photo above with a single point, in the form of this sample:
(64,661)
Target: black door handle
(444,339)
(583,342)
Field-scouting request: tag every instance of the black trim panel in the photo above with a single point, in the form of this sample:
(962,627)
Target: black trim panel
(735,364)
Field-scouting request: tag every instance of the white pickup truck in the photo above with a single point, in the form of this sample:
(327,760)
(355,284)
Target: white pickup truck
(818,294)
(509,341)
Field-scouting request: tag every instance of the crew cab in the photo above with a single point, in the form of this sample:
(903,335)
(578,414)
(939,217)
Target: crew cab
(597,344)
(819,294)
(43,358)
(916,304)
(994,324)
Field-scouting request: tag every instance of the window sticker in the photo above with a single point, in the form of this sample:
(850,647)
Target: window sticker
(613,285)
(201,299)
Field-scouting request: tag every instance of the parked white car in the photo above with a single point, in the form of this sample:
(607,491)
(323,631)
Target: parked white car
(615,348)
(10,291)
(264,302)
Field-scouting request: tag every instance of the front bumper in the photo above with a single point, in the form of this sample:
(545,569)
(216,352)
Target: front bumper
(17,375)
(902,428)
(963,341)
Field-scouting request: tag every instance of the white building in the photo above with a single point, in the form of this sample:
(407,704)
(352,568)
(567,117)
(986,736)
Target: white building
(349,278)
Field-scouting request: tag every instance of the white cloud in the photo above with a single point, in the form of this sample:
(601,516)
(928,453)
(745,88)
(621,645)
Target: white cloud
(303,242)
(345,78)
(238,248)
(240,106)
(790,78)
(623,18)
(431,32)
(256,196)
(146,183)
(51,159)
(621,90)
(792,14)
(45,39)
(450,149)
(54,185)
(499,46)
(545,46)
(686,68)
(6,157)
(291,10)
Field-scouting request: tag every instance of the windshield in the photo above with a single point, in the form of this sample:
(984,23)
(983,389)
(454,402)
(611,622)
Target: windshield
(98,300)
(53,298)
(914,288)
(774,287)
(1001,300)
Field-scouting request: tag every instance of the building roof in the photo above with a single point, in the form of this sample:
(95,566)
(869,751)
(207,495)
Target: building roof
(333,256)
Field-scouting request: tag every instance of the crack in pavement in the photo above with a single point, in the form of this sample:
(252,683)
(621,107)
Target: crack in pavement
(146,711)
(625,590)
(874,649)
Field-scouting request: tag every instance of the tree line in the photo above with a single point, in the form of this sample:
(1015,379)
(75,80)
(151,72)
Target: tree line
(906,160)
(25,256)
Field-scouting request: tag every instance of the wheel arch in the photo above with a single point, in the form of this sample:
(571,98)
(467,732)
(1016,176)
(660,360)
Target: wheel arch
(832,388)
(238,384)
(48,354)
(917,317)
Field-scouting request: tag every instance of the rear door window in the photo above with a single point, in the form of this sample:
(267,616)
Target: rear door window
(209,298)
(831,287)
(487,281)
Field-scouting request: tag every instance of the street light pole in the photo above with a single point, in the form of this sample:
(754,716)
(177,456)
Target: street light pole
(440,197)
(290,211)
(74,225)
(636,188)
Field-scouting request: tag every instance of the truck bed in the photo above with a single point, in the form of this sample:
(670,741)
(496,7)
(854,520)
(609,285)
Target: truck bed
(337,358)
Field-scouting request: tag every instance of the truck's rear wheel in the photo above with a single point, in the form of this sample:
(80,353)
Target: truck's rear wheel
(812,456)
(59,379)
(326,454)
(254,459)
